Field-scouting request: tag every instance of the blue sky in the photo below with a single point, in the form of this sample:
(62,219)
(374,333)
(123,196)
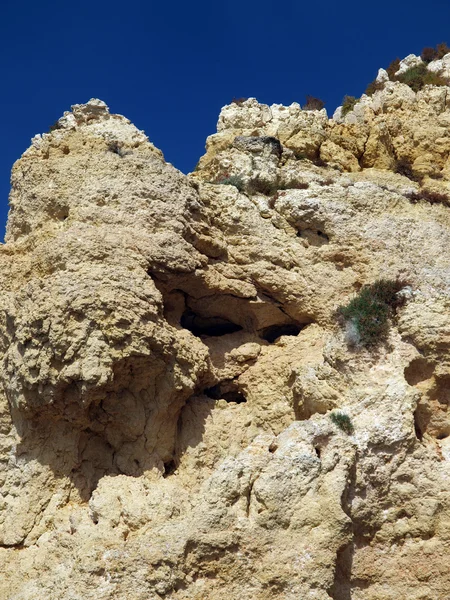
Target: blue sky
(171,66)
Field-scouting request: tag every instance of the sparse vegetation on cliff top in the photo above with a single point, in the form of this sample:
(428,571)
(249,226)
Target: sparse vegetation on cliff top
(417,76)
(348,104)
(313,103)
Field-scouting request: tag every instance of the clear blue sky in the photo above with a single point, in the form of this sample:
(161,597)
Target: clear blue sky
(171,66)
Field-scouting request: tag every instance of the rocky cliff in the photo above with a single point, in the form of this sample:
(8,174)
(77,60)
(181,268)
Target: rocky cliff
(183,414)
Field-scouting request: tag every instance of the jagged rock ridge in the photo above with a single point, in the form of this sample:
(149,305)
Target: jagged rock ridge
(171,358)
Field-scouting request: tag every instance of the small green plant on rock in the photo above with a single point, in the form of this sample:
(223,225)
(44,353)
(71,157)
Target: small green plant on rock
(419,76)
(366,317)
(416,77)
(348,104)
(342,421)
(235,180)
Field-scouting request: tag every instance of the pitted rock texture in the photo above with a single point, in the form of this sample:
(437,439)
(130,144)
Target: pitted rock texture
(170,359)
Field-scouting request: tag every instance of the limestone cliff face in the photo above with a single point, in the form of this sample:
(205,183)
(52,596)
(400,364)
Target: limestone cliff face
(171,357)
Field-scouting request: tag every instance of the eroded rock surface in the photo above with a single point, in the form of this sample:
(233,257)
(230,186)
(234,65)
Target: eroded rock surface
(170,359)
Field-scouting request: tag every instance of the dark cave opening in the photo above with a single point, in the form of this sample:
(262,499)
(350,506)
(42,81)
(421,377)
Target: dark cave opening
(169,468)
(315,237)
(209,326)
(272,333)
(226,390)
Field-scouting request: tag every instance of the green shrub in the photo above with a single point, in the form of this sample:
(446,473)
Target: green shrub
(416,77)
(347,104)
(235,180)
(419,76)
(313,103)
(434,79)
(342,421)
(366,317)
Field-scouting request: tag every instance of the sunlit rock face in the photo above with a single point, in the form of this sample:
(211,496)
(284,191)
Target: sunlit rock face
(175,382)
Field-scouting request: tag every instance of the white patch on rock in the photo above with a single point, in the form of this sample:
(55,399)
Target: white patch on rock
(352,335)
(409,62)
(382,76)
(440,67)
(337,115)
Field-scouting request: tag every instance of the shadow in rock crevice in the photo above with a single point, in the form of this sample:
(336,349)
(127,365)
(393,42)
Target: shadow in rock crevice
(207,326)
(133,423)
(129,429)
(342,585)
(432,414)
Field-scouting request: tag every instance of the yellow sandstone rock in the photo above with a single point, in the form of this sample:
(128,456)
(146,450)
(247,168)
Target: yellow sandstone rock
(171,357)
